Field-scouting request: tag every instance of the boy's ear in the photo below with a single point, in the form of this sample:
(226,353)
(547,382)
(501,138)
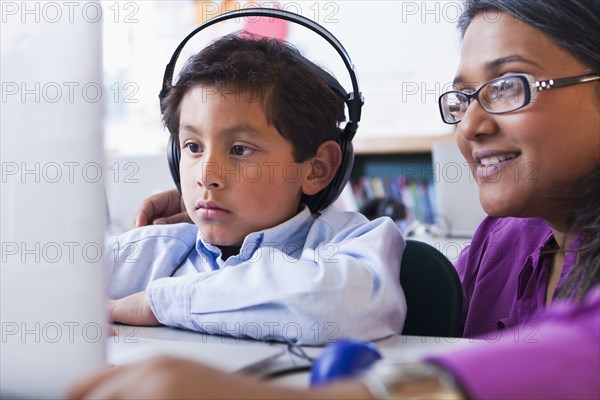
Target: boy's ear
(323,166)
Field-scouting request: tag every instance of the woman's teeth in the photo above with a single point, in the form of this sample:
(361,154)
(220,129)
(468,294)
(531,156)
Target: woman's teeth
(496,159)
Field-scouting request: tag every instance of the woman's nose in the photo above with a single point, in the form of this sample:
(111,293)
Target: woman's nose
(476,122)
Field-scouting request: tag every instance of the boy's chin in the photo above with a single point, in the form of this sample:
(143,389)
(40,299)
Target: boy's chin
(222,242)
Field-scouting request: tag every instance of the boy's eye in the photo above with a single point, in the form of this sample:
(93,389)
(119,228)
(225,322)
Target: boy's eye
(239,150)
(192,147)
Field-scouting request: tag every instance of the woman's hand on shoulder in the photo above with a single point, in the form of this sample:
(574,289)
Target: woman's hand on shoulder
(162,208)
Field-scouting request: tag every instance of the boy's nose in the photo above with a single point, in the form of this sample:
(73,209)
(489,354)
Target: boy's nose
(211,176)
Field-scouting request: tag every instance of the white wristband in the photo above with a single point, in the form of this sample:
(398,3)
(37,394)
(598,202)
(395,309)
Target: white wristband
(386,381)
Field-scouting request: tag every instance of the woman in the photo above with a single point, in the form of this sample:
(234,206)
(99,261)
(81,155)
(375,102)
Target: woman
(531,275)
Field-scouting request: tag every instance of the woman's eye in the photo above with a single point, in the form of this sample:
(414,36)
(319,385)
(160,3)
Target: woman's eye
(192,148)
(239,150)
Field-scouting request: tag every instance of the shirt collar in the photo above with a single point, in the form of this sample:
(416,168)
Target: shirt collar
(543,245)
(288,236)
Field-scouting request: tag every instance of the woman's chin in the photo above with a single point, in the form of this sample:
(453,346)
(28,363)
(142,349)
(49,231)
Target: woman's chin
(499,207)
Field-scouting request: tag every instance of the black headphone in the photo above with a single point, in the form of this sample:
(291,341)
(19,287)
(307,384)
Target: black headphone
(384,207)
(354,101)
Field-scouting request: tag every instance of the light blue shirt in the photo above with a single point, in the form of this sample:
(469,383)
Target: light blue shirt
(310,279)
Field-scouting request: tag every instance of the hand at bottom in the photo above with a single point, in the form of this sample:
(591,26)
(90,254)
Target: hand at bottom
(171,378)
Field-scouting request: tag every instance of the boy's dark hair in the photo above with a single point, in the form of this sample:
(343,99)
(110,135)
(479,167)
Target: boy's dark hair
(297,101)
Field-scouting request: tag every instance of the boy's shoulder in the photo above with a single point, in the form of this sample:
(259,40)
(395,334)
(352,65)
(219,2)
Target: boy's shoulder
(183,233)
(351,223)
(341,218)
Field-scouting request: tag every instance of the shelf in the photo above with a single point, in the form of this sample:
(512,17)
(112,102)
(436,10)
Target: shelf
(393,145)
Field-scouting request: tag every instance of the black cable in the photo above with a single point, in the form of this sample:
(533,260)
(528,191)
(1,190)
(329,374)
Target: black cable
(286,371)
(298,351)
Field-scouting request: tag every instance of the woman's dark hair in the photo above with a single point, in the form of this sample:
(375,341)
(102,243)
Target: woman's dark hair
(296,99)
(585,221)
(573,25)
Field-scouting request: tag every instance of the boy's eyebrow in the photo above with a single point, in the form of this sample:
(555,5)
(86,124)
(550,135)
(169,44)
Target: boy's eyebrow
(242,128)
(497,63)
(187,127)
(230,130)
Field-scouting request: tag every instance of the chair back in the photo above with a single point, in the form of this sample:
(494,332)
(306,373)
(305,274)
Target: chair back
(433,292)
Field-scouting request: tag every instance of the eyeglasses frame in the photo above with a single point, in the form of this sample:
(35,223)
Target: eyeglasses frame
(529,83)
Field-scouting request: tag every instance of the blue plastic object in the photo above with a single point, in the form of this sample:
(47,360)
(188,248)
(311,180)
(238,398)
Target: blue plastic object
(343,359)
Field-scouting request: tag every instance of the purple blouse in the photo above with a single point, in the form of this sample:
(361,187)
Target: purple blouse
(505,273)
(529,350)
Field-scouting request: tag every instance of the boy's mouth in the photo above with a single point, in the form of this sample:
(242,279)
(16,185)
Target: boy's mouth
(210,210)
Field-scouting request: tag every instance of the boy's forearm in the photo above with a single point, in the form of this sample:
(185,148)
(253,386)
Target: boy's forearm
(133,310)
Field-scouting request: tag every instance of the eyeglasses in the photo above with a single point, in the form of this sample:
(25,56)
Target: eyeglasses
(502,95)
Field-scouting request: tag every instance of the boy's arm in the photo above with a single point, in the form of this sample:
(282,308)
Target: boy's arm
(132,310)
(139,256)
(345,282)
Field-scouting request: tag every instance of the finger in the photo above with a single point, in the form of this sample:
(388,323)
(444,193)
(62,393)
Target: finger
(111,305)
(153,207)
(139,220)
(145,213)
(159,205)
(174,219)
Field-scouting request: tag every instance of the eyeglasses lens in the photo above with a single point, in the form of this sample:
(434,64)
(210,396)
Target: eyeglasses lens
(503,94)
(454,106)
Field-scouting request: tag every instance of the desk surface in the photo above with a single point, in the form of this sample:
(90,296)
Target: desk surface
(395,348)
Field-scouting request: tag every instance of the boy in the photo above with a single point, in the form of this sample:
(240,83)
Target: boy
(256,263)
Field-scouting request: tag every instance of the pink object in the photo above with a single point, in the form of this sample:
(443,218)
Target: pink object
(267,26)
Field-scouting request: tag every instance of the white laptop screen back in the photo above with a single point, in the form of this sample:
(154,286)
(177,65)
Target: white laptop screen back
(52,210)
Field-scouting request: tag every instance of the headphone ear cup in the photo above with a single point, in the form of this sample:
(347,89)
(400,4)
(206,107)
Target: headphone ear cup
(384,207)
(388,207)
(173,157)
